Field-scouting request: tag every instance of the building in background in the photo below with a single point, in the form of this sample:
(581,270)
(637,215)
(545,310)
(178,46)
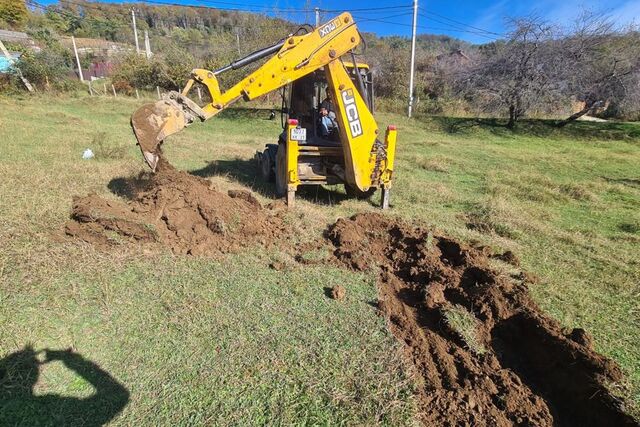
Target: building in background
(15,37)
(100,53)
(5,65)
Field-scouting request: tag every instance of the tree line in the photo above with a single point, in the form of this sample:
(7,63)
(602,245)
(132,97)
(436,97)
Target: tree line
(538,68)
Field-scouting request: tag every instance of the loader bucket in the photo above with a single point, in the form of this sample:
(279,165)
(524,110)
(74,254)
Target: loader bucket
(152,123)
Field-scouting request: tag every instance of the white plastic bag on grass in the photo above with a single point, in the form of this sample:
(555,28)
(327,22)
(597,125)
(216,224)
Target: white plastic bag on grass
(88,154)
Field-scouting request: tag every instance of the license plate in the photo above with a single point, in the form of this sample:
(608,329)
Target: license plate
(298,134)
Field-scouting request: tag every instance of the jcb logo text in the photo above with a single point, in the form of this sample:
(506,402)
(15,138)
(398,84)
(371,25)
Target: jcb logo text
(329,27)
(353,117)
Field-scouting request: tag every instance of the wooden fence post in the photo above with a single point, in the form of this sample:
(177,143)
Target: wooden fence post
(137,94)
(158,90)
(75,51)
(113,88)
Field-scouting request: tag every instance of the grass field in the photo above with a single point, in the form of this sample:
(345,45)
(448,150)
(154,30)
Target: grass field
(196,340)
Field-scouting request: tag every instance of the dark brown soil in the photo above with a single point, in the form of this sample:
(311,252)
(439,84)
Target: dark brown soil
(522,369)
(180,211)
(530,372)
(508,257)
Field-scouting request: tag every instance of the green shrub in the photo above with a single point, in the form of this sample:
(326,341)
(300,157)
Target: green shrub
(13,13)
(49,69)
(169,71)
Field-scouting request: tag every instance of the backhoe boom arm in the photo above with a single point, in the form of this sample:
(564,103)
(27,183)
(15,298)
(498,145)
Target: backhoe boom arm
(293,58)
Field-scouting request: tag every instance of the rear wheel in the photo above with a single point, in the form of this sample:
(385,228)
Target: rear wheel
(281,170)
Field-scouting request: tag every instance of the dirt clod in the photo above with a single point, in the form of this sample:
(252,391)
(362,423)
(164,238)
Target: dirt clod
(246,196)
(180,211)
(277,266)
(508,257)
(338,292)
(532,372)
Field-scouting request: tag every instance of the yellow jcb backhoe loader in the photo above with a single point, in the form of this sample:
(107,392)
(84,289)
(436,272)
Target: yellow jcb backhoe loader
(311,150)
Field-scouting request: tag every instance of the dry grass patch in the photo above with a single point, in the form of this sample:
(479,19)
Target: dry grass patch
(465,324)
(433,164)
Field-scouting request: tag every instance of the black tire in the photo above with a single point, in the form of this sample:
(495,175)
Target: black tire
(281,170)
(356,193)
(266,167)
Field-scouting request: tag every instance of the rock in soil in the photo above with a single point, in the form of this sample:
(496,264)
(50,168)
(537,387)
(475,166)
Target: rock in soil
(180,211)
(530,373)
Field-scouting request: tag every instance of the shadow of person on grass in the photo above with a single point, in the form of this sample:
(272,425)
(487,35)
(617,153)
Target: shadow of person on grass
(19,405)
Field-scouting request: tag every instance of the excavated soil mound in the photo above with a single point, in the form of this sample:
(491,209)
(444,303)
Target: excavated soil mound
(524,370)
(180,211)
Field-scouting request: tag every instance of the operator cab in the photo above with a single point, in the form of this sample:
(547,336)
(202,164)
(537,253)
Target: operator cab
(320,157)
(303,99)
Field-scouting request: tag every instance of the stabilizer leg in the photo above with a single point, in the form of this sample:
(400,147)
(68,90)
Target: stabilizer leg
(384,198)
(291,198)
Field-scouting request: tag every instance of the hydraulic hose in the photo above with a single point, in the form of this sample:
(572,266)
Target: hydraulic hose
(252,57)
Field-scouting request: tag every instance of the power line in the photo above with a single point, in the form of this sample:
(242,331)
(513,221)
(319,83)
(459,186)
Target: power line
(455,21)
(460,28)
(450,29)
(65,13)
(242,7)
(102,7)
(112,8)
(50,8)
(258,6)
(105,6)
(364,19)
(245,7)
(61,11)
(369,9)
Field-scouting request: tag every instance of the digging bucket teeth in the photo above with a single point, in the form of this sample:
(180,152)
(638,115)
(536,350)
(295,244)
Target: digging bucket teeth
(154,122)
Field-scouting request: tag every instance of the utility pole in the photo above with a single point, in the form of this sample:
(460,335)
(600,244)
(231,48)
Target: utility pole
(147,44)
(75,50)
(317,10)
(413,55)
(135,30)
(238,39)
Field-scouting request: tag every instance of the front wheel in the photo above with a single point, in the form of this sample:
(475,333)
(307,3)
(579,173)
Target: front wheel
(266,167)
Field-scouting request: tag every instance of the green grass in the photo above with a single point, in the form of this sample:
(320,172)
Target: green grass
(223,341)
(465,324)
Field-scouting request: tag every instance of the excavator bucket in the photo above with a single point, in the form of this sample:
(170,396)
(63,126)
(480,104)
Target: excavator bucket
(152,123)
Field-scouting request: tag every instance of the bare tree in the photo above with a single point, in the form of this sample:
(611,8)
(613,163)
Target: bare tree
(515,74)
(598,63)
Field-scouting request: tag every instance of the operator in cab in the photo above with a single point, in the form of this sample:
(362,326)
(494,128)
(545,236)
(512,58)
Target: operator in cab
(328,124)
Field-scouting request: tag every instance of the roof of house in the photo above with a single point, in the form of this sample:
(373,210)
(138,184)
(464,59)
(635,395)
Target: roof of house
(15,36)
